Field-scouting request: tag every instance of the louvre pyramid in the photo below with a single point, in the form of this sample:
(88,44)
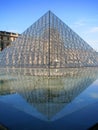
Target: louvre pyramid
(49,43)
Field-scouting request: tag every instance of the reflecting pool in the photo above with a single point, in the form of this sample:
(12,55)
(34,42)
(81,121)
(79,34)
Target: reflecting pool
(64,99)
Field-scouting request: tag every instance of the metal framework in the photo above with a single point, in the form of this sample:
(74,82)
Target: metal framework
(49,43)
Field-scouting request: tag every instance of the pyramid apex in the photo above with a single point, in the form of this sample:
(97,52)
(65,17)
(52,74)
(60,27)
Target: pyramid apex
(49,11)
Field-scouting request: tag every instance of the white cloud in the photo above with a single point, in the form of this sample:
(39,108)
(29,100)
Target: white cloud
(94,95)
(79,23)
(93,30)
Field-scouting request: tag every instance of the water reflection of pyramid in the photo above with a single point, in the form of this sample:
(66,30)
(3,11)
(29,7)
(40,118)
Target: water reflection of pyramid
(50,95)
(49,43)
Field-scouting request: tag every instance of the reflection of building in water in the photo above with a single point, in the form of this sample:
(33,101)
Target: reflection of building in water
(49,43)
(5,87)
(50,95)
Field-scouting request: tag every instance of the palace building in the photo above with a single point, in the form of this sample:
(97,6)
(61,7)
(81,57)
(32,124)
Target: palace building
(6,38)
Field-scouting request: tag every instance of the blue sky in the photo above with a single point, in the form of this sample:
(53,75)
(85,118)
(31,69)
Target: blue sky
(80,15)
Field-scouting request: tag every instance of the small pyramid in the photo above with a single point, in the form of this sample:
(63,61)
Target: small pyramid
(49,43)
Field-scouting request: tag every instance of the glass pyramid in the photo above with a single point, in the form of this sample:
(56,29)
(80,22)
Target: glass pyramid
(48,43)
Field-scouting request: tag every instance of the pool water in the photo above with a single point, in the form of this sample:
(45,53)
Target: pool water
(56,103)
